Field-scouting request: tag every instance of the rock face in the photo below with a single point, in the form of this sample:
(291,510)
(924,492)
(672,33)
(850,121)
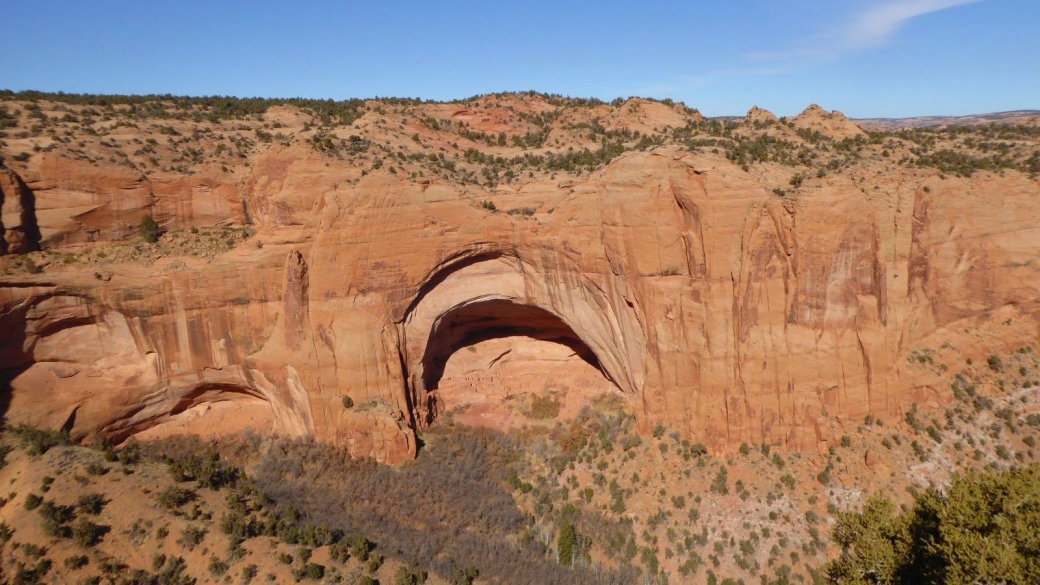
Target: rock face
(677,281)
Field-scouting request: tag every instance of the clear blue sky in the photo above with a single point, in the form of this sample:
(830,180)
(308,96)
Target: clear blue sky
(865,57)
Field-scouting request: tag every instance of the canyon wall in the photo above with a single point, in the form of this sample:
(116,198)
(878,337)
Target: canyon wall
(711,305)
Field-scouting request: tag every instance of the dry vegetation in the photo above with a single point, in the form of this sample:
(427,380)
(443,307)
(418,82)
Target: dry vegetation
(500,139)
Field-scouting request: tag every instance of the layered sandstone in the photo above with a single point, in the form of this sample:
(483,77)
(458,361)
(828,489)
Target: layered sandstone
(673,279)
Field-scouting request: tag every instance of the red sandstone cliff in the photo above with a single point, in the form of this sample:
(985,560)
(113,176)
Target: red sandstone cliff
(677,279)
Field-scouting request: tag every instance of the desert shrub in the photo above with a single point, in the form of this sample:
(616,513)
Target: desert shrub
(464,575)
(720,484)
(173,497)
(191,536)
(311,571)
(919,451)
(33,501)
(26,575)
(96,469)
(824,477)
(168,571)
(934,433)
(36,441)
(76,562)
(545,407)
(87,533)
(405,576)
(4,451)
(946,537)
(912,420)
(33,550)
(630,442)
(149,229)
(207,470)
(91,504)
(217,567)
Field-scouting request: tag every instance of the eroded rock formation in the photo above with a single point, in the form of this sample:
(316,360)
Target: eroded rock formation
(677,280)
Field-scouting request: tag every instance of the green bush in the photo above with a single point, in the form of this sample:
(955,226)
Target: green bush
(217,567)
(36,441)
(981,530)
(91,504)
(720,484)
(33,501)
(149,229)
(545,407)
(191,537)
(75,562)
(87,533)
(174,497)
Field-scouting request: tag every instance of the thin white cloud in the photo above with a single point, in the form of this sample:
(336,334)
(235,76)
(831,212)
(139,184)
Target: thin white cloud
(857,32)
(875,26)
(867,29)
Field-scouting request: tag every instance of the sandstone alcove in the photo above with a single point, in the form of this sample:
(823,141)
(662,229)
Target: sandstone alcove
(210,410)
(489,336)
(487,359)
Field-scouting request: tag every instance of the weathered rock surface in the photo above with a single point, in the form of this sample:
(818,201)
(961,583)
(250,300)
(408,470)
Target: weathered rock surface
(677,280)
(830,124)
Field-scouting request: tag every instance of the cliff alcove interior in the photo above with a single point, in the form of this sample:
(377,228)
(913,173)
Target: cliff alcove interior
(483,356)
(487,337)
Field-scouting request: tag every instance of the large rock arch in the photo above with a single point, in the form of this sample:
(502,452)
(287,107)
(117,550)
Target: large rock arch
(481,293)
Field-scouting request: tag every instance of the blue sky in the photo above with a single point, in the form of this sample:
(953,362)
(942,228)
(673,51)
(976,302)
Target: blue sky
(865,57)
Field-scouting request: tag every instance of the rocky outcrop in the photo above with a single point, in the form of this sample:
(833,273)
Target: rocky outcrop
(756,116)
(372,304)
(833,125)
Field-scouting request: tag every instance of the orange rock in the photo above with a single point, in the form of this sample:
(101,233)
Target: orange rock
(675,280)
(830,124)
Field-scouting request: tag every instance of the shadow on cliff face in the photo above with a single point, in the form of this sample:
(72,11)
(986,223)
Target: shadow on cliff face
(6,376)
(486,320)
(473,324)
(24,236)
